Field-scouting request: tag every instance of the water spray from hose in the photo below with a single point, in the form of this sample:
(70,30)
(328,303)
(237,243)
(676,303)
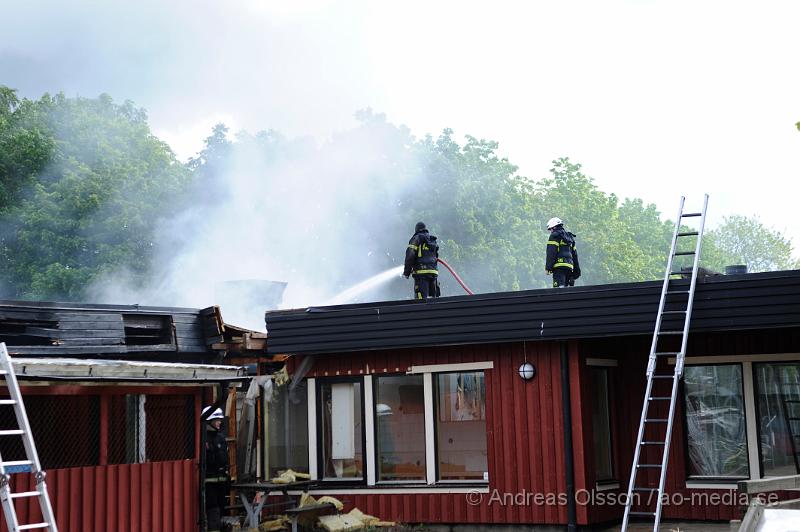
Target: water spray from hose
(451,270)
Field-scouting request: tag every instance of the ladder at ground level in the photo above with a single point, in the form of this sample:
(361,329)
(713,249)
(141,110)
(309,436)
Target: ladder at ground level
(655,426)
(31,462)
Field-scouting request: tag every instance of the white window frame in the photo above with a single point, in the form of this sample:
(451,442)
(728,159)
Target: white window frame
(431,484)
(753,447)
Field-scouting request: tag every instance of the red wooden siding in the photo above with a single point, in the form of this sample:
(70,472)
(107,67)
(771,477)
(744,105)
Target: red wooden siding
(152,497)
(524,431)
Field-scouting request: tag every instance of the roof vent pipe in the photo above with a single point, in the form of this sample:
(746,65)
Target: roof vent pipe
(736,269)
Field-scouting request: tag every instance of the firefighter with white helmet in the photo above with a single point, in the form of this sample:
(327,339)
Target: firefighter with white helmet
(217,479)
(562,255)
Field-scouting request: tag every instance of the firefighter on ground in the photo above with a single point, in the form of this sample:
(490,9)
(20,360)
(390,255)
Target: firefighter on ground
(422,263)
(217,478)
(562,255)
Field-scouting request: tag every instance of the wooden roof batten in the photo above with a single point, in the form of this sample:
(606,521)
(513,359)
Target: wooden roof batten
(731,302)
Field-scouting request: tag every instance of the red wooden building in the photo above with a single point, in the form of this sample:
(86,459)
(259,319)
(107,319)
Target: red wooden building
(113,396)
(416,412)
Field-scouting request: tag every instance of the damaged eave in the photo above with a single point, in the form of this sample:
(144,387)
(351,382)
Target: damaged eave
(123,370)
(231,340)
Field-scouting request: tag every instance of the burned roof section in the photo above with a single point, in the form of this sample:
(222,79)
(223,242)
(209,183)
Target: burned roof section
(736,302)
(91,331)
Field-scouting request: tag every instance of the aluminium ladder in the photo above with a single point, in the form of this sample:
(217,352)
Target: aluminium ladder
(655,444)
(32,458)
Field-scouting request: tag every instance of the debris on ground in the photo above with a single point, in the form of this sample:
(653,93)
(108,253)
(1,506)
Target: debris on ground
(290,476)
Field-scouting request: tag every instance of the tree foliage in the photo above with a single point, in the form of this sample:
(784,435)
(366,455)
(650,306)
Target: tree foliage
(83,181)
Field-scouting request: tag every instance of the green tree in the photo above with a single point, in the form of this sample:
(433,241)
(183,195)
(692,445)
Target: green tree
(743,240)
(84,182)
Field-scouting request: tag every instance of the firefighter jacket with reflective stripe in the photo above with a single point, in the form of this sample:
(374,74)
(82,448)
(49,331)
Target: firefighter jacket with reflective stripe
(561,252)
(421,255)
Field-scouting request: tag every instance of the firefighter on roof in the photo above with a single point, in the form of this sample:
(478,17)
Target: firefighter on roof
(421,262)
(562,255)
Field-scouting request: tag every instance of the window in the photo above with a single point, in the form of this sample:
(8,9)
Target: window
(342,430)
(460,418)
(400,428)
(777,389)
(715,422)
(288,430)
(601,424)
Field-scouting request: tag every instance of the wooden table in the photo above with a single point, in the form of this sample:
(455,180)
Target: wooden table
(250,491)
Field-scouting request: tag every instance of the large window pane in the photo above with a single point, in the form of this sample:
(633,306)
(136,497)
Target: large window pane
(400,428)
(778,407)
(342,431)
(288,430)
(601,424)
(715,421)
(461,426)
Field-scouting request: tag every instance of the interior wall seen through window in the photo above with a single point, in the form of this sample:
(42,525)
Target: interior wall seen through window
(400,428)
(460,419)
(288,430)
(342,431)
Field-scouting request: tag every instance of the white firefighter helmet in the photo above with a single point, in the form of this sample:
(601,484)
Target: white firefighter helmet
(554,222)
(216,414)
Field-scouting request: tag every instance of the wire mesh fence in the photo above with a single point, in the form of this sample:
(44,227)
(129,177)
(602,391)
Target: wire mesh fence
(89,430)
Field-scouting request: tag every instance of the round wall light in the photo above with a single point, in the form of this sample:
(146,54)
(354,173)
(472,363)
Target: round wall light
(527,371)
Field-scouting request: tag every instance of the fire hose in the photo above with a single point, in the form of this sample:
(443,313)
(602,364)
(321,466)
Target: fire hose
(451,270)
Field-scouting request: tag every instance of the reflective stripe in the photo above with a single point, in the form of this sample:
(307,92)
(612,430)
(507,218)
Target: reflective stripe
(217,479)
(434,272)
(412,246)
(563,265)
(552,243)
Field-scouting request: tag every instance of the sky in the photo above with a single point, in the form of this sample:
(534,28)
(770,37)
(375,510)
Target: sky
(656,99)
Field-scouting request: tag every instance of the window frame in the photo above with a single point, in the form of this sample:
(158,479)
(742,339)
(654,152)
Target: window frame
(374,448)
(319,435)
(434,412)
(610,375)
(715,480)
(756,409)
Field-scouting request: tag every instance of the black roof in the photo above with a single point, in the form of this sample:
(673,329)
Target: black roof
(36,328)
(735,302)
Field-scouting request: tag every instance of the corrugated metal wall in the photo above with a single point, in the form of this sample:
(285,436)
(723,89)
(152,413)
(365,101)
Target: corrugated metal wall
(149,497)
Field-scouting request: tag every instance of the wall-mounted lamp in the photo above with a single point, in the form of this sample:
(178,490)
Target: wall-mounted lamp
(527,371)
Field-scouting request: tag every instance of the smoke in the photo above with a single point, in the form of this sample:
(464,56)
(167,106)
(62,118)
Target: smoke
(317,217)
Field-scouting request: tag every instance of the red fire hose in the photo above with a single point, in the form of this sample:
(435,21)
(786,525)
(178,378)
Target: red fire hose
(470,292)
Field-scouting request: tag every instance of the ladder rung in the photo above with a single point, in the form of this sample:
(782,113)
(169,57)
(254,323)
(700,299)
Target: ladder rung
(667,354)
(653,442)
(665,333)
(674,312)
(649,465)
(687,272)
(655,420)
(7,402)
(16,463)
(689,233)
(691,214)
(659,398)
(670,292)
(34,525)
(14,432)
(663,376)
(642,514)
(25,494)
(680,253)
(650,490)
